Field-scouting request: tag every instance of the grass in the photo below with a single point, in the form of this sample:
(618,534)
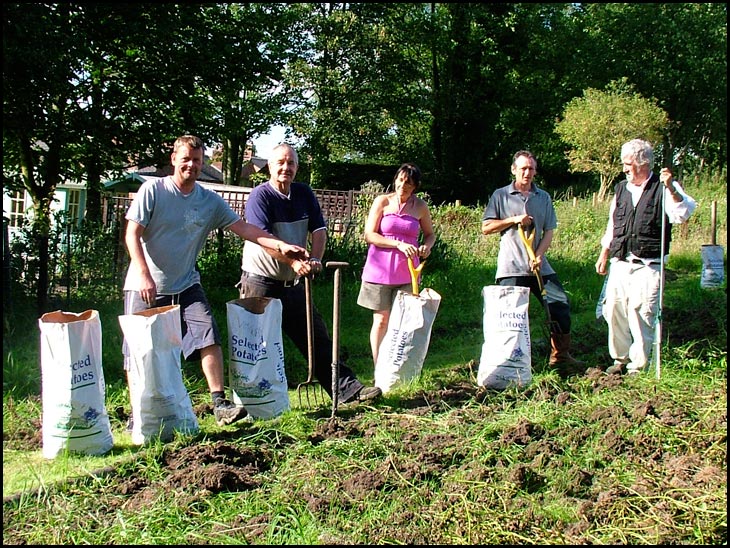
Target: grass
(589,459)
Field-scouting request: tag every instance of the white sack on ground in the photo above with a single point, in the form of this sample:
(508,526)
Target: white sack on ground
(161,404)
(713,267)
(506,358)
(256,356)
(73,387)
(405,345)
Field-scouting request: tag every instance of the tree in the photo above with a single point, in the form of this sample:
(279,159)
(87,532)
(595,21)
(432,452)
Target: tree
(40,58)
(597,124)
(676,52)
(359,86)
(251,44)
(85,88)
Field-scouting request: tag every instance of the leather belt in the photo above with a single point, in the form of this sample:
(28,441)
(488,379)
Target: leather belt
(644,262)
(272,281)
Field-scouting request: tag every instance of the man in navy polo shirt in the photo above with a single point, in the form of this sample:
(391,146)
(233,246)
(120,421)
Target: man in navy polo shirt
(290,211)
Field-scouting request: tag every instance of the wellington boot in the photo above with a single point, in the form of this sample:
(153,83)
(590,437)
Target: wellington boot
(560,353)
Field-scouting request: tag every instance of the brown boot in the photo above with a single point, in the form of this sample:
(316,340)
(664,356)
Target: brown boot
(560,354)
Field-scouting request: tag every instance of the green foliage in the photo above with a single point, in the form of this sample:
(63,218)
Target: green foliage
(679,43)
(458,236)
(96,264)
(597,124)
(219,262)
(86,260)
(256,179)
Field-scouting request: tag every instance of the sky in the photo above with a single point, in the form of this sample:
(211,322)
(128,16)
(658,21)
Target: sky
(266,143)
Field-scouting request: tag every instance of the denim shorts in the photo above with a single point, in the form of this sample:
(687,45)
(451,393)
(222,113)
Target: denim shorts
(199,328)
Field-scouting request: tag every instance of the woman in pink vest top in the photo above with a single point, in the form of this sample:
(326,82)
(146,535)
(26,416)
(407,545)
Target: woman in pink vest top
(392,231)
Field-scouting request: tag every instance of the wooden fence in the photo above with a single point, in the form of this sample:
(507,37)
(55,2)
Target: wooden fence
(338,206)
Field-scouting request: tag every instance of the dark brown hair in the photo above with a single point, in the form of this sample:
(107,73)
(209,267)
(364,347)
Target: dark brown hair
(413,174)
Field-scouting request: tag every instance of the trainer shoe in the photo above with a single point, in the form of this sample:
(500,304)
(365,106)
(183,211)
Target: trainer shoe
(368,393)
(616,369)
(226,412)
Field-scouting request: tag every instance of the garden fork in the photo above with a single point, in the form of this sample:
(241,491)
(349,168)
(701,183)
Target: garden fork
(310,382)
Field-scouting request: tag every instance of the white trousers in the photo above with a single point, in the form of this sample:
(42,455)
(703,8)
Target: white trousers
(631,306)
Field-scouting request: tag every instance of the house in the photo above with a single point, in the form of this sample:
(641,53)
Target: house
(68,197)
(338,206)
(71,197)
(251,166)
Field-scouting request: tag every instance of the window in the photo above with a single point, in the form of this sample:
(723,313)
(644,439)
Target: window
(17,208)
(72,209)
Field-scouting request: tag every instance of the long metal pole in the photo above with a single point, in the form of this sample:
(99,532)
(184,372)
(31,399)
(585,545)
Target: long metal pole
(658,319)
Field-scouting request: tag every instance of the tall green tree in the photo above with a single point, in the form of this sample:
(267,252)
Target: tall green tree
(135,62)
(86,88)
(544,68)
(597,124)
(40,61)
(361,86)
(249,45)
(502,74)
(676,53)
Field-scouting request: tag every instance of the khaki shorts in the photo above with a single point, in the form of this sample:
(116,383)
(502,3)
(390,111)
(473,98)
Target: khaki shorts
(379,296)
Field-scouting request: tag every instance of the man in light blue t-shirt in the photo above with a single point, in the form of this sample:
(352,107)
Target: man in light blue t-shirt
(168,223)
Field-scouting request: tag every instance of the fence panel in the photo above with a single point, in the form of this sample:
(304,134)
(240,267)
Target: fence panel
(339,208)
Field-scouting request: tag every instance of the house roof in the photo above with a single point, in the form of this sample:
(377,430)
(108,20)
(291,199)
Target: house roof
(260,163)
(131,182)
(252,165)
(208,174)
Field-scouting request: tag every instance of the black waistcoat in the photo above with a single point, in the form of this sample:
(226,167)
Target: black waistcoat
(639,229)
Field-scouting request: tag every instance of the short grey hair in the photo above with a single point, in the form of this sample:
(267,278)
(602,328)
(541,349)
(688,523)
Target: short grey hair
(290,148)
(640,151)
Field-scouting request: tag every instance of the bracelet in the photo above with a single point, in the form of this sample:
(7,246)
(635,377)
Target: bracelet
(314,260)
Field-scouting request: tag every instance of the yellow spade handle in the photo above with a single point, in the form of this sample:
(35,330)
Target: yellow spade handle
(414,274)
(531,252)
(527,241)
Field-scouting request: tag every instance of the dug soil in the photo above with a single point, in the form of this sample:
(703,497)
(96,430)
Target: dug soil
(431,456)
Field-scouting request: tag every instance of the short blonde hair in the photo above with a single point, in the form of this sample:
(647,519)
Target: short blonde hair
(190,141)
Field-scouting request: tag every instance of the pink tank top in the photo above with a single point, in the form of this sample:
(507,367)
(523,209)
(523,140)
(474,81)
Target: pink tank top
(390,266)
